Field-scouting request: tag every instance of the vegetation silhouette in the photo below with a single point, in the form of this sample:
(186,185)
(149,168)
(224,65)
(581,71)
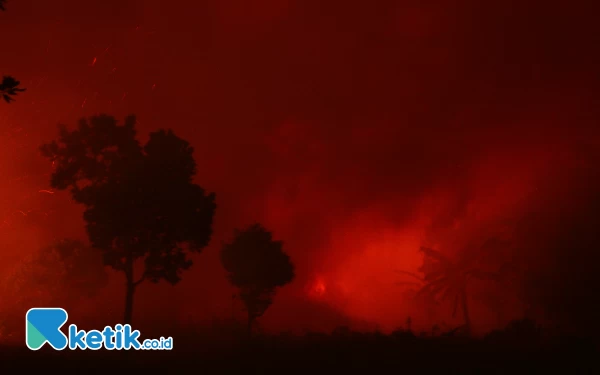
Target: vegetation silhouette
(515,349)
(62,274)
(9,87)
(444,279)
(140,201)
(257,265)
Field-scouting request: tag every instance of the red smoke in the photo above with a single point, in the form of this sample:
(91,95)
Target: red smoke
(356,133)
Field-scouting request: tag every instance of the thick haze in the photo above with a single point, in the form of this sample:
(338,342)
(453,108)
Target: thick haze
(357,133)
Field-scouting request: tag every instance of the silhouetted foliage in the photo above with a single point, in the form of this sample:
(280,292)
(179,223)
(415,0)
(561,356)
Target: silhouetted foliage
(425,302)
(9,87)
(444,279)
(140,201)
(62,274)
(344,351)
(257,265)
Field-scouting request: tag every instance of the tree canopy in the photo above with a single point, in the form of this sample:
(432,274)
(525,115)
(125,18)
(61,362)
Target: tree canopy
(140,201)
(257,265)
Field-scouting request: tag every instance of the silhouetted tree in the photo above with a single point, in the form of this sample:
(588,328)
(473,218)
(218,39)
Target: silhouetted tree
(9,87)
(257,265)
(140,201)
(424,301)
(61,274)
(445,279)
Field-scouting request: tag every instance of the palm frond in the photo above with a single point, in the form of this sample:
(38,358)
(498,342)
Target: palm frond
(439,288)
(411,274)
(402,283)
(442,280)
(426,289)
(433,289)
(436,275)
(447,293)
(436,255)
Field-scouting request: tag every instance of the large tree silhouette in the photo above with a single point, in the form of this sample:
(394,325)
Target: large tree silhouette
(61,274)
(257,265)
(9,87)
(140,202)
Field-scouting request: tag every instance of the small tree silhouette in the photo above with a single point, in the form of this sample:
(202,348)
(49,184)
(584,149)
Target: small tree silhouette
(256,265)
(140,201)
(9,87)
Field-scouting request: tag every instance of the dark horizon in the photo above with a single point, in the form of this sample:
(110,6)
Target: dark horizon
(357,134)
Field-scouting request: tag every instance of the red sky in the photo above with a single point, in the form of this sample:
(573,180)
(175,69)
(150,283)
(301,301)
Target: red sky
(356,132)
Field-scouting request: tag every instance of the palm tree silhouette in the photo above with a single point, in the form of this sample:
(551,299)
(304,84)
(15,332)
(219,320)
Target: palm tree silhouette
(444,279)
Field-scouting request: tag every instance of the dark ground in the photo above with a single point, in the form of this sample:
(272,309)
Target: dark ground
(514,350)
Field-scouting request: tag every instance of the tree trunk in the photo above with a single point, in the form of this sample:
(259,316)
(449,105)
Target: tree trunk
(129,302)
(465,309)
(130,290)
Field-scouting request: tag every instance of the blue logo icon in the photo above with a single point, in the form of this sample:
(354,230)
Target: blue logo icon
(42,325)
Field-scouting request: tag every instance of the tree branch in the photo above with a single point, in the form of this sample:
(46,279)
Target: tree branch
(139,281)
(409,274)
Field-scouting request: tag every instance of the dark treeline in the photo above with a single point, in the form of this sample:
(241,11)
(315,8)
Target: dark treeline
(144,216)
(519,348)
(141,208)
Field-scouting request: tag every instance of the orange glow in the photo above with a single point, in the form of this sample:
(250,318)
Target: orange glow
(354,148)
(317,289)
